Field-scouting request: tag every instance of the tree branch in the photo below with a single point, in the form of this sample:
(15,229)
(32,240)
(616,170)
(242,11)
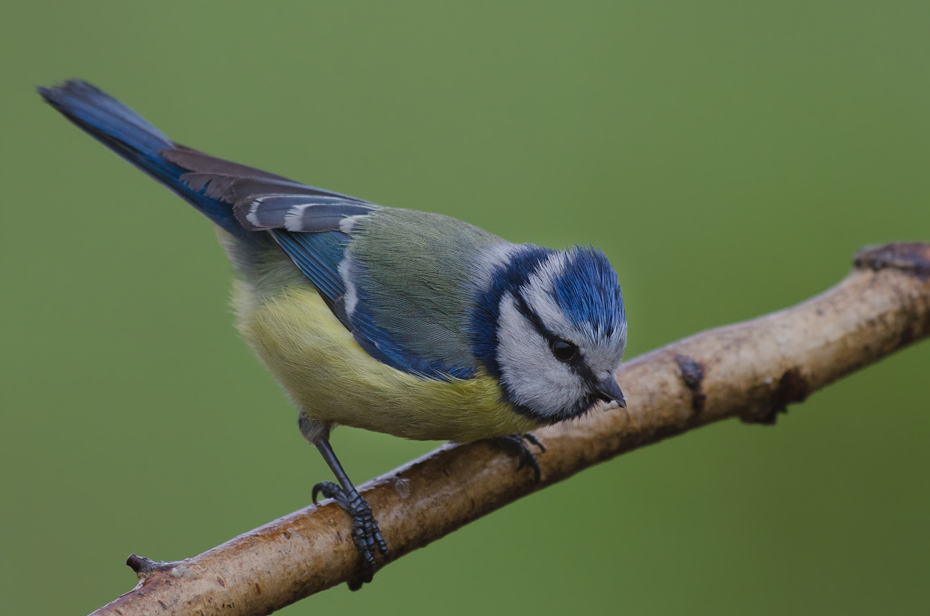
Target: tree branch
(752,370)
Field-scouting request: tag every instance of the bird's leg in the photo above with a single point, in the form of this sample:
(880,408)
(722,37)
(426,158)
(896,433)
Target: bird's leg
(365,531)
(516,445)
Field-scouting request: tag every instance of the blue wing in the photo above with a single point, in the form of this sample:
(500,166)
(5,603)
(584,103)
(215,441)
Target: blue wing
(303,220)
(388,313)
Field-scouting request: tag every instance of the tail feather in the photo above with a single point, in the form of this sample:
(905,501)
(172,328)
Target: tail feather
(259,208)
(128,134)
(104,117)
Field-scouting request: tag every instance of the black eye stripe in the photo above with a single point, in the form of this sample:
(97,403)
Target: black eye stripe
(578,364)
(533,318)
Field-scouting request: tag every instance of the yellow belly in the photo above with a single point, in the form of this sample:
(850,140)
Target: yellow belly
(336,382)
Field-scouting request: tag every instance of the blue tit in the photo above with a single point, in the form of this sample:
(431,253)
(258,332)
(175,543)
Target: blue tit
(398,321)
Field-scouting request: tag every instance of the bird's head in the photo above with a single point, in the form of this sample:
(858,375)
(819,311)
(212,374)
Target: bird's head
(550,325)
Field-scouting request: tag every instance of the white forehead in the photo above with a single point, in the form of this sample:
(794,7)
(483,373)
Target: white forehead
(539,295)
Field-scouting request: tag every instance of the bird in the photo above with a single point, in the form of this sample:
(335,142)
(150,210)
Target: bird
(398,321)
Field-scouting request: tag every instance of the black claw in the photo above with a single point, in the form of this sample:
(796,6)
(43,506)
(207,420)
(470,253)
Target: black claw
(530,438)
(517,445)
(365,532)
(329,490)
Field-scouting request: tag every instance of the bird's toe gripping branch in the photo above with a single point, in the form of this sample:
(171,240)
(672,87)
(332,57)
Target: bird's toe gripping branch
(517,445)
(365,531)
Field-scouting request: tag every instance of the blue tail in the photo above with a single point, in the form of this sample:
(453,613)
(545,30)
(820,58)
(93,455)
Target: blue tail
(125,132)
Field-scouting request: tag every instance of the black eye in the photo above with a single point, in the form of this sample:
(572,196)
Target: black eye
(563,350)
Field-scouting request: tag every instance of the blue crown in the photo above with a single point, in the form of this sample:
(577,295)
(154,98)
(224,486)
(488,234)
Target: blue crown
(589,292)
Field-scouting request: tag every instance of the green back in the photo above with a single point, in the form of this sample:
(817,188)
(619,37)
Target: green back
(413,279)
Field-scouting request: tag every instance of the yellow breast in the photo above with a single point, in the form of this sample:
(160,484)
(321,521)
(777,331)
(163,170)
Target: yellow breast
(336,382)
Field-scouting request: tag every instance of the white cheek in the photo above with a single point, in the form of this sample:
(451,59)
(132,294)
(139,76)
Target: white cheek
(534,377)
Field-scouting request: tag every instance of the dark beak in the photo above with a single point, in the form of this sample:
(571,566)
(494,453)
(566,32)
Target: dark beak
(608,391)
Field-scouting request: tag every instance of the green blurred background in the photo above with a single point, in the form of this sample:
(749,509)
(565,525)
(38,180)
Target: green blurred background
(729,157)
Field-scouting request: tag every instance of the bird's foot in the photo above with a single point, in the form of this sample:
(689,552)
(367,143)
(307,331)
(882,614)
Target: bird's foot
(518,446)
(365,531)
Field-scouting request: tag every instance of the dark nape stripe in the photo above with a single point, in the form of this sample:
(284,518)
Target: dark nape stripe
(579,409)
(484,328)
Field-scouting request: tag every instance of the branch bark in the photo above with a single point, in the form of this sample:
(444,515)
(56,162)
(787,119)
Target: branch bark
(751,370)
